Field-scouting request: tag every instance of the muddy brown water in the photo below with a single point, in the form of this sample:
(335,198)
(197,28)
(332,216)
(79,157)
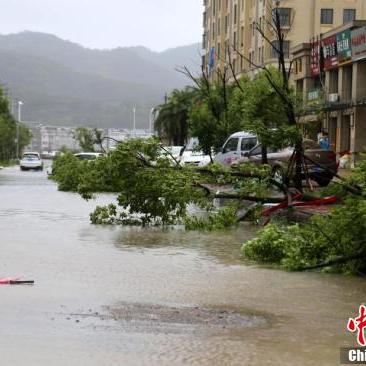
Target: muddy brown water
(129,296)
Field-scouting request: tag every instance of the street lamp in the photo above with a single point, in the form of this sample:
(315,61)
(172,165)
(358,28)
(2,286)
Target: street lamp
(20,103)
(134,119)
(151,119)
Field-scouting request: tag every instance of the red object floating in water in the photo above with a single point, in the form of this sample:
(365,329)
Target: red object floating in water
(15,281)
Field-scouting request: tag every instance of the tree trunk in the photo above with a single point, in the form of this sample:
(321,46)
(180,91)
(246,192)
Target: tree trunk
(264,154)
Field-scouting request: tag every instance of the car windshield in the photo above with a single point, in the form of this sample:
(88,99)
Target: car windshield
(174,150)
(192,145)
(30,157)
(86,156)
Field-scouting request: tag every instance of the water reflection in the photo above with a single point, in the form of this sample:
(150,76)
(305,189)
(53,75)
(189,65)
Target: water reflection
(223,246)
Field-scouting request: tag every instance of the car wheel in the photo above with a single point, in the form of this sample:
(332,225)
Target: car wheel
(323,181)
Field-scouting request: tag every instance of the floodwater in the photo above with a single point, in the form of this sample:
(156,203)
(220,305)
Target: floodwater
(129,296)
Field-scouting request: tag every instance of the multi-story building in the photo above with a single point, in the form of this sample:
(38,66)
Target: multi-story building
(230,28)
(330,78)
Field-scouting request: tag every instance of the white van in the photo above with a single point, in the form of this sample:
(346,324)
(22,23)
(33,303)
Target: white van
(235,147)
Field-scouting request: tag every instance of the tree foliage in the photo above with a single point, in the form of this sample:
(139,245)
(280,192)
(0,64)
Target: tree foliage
(8,132)
(172,117)
(336,240)
(88,138)
(262,112)
(152,189)
(211,118)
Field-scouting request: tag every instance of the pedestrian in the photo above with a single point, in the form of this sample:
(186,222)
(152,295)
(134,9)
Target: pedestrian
(324,141)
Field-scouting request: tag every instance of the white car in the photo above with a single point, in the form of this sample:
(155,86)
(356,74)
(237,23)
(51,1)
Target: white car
(31,161)
(235,147)
(193,156)
(88,155)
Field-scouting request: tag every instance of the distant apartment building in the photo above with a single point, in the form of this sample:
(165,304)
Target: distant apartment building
(231,24)
(330,78)
(51,138)
(55,138)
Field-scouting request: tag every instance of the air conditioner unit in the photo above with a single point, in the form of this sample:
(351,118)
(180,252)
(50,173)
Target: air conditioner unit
(333,98)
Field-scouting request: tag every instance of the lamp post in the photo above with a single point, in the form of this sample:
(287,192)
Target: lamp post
(134,120)
(20,103)
(151,120)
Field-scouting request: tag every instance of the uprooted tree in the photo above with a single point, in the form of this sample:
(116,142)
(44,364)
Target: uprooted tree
(154,189)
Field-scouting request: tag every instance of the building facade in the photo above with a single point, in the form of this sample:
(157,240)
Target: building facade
(330,79)
(230,28)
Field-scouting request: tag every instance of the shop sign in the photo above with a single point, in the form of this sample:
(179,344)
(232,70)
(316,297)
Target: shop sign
(344,47)
(314,96)
(358,40)
(315,58)
(330,52)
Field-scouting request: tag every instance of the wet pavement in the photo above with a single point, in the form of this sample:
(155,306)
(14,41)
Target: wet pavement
(131,296)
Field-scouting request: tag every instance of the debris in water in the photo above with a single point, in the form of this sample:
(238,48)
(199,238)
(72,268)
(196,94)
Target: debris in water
(15,281)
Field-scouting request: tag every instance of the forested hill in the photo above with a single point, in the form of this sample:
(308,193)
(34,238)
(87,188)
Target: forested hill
(62,82)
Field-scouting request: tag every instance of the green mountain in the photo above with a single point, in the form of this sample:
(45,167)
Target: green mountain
(61,82)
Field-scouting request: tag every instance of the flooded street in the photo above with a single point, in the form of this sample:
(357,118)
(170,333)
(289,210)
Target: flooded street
(130,296)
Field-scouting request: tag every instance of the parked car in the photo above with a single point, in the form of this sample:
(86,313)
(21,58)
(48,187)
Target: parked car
(31,161)
(192,155)
(279,160)
(235,147)
(88,155)
(172,152)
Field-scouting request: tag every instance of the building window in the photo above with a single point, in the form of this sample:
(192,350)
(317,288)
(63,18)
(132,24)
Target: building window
(349,15)
(226,25)
(275,48)
(298,66)
(285,16)
(235,13)
(219,27)
(326,16)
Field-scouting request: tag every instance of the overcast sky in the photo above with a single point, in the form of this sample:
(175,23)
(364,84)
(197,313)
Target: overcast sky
(157,24)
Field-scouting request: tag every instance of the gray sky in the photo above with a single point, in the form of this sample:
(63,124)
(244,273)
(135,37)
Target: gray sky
(157,24)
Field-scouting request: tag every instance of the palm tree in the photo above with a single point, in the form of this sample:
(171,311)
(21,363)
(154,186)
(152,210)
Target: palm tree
(171,121)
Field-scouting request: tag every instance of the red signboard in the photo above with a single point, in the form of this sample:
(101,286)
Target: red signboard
(315,58)
(358,40)
(330,52)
